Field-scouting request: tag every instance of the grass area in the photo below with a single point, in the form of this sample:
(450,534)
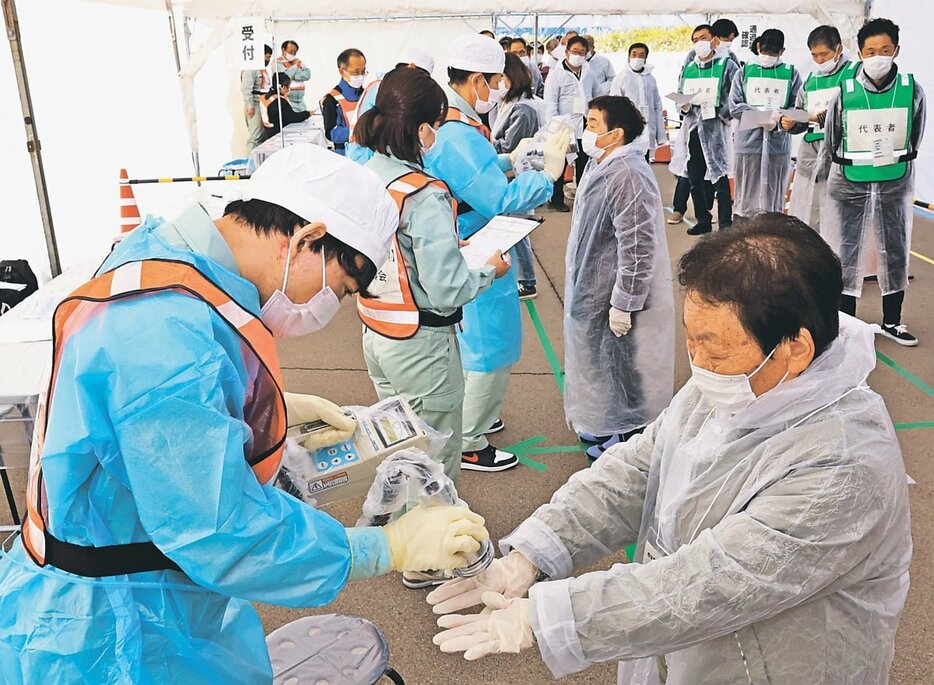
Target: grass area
(672,39)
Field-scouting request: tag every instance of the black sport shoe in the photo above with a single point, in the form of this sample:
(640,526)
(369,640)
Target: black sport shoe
(497,426)
(527,292)
(700,229)
(558,208)
(899,334)
(488,459)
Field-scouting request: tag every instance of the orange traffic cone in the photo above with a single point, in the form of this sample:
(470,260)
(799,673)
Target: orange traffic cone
(129,210)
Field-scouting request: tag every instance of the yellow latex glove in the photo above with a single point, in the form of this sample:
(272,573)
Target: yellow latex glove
(555,154)
(429,538)
(307,408)
(520,150)
(503,627)
(511,576)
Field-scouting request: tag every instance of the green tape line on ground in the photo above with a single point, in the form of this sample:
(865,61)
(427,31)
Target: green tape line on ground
(630,552)
(905,373)
(546,345)
(912,426)
(521,449)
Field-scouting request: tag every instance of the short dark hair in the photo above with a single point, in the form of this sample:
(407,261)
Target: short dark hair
(722,28)
(505,41)
(288,43)
(620,113)
(754,48)
(776,272)
(877,27)
(406,99)
(638,45)
(267,49)
(487,32)
(276,81)
(458,76)
(518,39)
(578,39)
(702,27)
(266,218)
(520,78)
(343,59)
(825,35)
(772,40)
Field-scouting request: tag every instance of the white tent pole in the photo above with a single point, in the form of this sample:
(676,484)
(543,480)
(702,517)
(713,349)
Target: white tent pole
(535,46)
(195,159)
(32,137)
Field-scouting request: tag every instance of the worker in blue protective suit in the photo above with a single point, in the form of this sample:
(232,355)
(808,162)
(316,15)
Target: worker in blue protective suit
(152,521)
(414,58)
(339,106)
(464,158)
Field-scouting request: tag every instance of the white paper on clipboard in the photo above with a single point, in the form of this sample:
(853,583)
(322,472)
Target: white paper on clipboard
(502,233)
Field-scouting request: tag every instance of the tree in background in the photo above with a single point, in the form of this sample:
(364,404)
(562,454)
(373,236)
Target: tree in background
(671,39)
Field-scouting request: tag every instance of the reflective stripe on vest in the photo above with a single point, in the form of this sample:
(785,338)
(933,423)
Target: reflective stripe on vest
(708,81)
(768,88)
(348,109)
(359,103)
(868,116)
(293,84)
(819,91)
(455,114)
(265,412)
(392,311)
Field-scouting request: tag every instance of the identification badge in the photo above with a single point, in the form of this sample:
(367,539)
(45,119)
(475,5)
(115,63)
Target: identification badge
(651,553)
(708,111)
(580,105)
(883,154)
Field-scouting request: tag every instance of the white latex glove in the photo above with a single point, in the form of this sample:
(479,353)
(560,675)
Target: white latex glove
(772,123)
(503,627)
(686,107)
(308,408)
(620,322)
(430,538)
(510,576)
(555,155)
(520,150)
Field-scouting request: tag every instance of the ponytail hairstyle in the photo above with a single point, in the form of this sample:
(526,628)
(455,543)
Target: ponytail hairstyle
(407,98)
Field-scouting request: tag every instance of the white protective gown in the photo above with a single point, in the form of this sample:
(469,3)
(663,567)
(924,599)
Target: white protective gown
(762,160)
(642,90)
(617,256)
(783,537)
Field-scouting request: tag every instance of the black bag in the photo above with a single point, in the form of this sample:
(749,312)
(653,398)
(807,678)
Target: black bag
(17,282)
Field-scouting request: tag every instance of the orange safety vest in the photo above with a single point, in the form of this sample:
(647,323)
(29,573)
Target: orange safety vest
(348,108)
(293,85)
(265,410)
(455,114)
(357,112)
(392,311)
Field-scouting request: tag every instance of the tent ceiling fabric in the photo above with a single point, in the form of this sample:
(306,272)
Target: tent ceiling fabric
(351,9)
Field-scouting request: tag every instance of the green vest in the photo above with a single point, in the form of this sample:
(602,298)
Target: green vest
(768,89)
(818,90)
(867,116)
(708,81)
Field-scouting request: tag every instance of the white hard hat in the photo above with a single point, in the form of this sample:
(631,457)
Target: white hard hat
(419,58)
(322,186)
(474,52)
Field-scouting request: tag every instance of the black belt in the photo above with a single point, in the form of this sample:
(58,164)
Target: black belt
(114,560)
(843,161)
(433,320)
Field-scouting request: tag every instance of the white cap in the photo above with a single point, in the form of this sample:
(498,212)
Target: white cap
(419,58)
(322,186)
(475,52)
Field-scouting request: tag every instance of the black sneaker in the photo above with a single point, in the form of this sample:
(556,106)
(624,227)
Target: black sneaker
(899,334)
(488,459)
(700,229)
(497,426)
(563,208)
(527,292)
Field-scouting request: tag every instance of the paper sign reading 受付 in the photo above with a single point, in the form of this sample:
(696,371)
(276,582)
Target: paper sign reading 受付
(250,37)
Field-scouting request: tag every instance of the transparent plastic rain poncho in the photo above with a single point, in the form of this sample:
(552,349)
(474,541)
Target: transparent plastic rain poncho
(783,538)
(762,159)
(642,89)
(863,222)
(617,256)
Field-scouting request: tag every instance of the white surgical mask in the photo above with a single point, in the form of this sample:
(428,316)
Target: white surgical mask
(589,144)
(767,61)
(637,64)
(728,393)
(702,49)
(726,45)
(576,61)
(356,81)
(485,106)
(526,60)
(826,68)
(877,67)
(289,320)
(421,146)
(290,56)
